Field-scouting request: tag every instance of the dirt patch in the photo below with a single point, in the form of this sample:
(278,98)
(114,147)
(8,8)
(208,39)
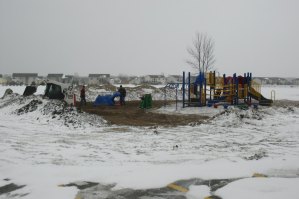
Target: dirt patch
(132,115)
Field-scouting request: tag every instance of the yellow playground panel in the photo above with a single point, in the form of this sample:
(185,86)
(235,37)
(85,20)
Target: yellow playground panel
(221,89)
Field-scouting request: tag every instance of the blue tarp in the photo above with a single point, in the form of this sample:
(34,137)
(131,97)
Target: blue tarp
(106,99)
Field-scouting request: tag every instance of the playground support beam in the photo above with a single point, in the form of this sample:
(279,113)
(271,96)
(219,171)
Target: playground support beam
(184,89)
(250,80)
(200,89)
(176,97)
(205,95)
(189,82)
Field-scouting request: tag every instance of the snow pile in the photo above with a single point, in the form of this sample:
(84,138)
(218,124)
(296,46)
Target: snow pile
(45,111)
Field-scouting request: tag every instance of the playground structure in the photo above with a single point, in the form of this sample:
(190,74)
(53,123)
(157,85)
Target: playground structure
(208,89)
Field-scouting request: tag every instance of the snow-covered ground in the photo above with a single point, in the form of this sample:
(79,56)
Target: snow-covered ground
(281,92)
(42,147)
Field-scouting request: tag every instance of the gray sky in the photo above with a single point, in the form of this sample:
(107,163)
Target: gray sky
(138,37)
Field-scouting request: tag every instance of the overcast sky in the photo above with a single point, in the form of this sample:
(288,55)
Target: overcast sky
(137,37)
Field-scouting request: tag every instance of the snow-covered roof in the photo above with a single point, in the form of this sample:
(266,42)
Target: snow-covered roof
(99,75)
(14,75)
(55,75)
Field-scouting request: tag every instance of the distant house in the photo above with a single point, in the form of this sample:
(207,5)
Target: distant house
(154,79)
(174,79)
(279,81)
(267,80)
(40,80)
(2,79)
(258,80)
(68,79)
(56,77)
(192,79)
(271,80)
(135,80)
(115,80)
(295,81)
(124,79)
(81,80)
(24,78)
(94,79)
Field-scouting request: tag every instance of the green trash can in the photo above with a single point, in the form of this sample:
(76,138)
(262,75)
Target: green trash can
(146,101)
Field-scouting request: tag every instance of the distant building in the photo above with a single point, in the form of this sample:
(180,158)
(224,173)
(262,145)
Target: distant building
(124,79)
(260,80)
(24,78)
(135,80)
(68,79)
(81,80)
(94,79)
(2,79)
(295,81)
(267,80)
(115,80)
(56,77)
(192,79)
(174,79)
(272,80)
(279,81)
(154,79)
(40,80)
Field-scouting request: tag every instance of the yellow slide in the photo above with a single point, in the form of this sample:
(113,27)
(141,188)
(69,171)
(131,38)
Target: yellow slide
(259,97)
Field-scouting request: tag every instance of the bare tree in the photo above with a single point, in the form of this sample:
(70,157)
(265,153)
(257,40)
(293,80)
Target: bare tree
(202,53)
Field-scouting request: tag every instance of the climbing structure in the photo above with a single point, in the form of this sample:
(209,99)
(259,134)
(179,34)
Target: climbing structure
(209,89)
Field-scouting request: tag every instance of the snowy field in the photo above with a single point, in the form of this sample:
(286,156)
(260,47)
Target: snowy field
(42,150)
(281,92)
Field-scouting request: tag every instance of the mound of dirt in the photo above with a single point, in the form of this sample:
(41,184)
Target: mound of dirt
(32,106)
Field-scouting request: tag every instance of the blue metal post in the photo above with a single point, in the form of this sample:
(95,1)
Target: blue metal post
(205,95)
(250,81)
(176,97)
(189,79)
(200,88)
(235,80)
(184,89)
(225,90)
